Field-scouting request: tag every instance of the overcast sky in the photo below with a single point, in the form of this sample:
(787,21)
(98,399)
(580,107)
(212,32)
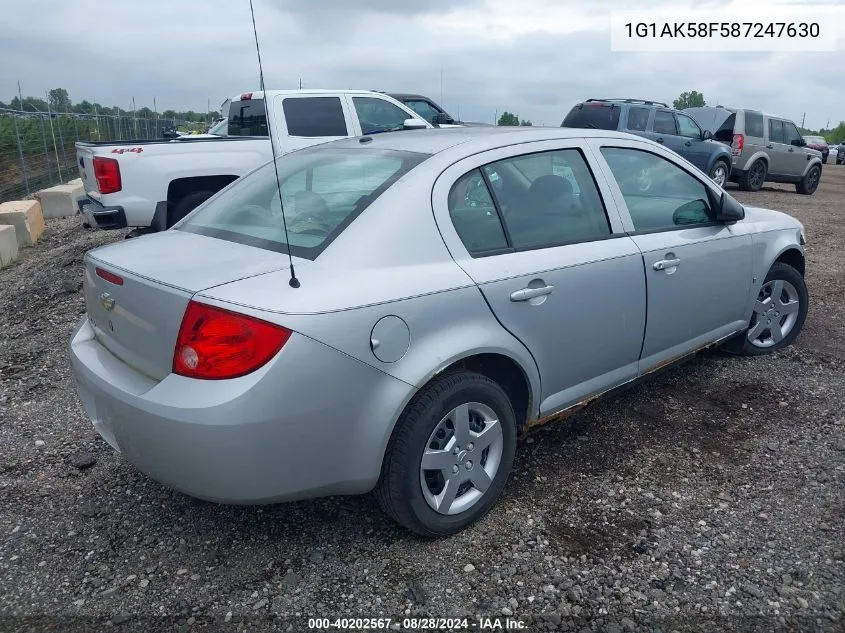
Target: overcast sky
(533,57)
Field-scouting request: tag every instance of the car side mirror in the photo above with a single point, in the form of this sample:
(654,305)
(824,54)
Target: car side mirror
(443,119)
(414,124)
(799,142)
(706,135)
(729,209)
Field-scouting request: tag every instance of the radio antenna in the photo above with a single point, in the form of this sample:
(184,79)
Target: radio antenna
(294,282)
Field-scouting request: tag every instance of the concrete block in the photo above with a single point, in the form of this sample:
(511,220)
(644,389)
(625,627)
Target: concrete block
(8,246)
(76,182)
(26,217)
(60,201)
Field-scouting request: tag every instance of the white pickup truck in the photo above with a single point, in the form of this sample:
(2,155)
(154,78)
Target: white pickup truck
(153,184)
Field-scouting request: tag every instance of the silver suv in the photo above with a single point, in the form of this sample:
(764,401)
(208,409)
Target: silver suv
(763,147)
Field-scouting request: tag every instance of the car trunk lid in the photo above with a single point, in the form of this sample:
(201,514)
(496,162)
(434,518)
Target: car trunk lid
(136,292)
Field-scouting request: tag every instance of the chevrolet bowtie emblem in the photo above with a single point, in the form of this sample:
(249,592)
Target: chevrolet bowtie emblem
(106,301)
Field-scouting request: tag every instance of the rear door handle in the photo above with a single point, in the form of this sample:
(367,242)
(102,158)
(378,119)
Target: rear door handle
(663,264)
(659,139)
(688,143)
(529,293)
(769,146)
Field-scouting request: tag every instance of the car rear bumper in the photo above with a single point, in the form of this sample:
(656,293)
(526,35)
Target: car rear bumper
(310,423)
(99,216)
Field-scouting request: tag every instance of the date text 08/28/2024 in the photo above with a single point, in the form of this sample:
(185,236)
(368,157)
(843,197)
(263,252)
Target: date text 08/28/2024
(417,624)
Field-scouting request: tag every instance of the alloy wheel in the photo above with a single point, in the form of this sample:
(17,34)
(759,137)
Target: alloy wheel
(775,313)
(461,458)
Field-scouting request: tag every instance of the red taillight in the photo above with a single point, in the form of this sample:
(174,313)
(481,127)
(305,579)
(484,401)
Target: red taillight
(109,277)
(738,144)
(246,96)
(215,344)
(107,173)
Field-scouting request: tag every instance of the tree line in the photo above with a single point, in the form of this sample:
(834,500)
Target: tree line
(60,103)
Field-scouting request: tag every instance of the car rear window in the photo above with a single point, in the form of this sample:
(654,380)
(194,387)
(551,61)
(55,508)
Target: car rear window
(323,191)
(754,124)
(247,118)
(598,115)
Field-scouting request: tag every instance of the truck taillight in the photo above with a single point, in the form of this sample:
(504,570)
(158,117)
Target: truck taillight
(738,144)
(107,173)
(246,96)
(216,344)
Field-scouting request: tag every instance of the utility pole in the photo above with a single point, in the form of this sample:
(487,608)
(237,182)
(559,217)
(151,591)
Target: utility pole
(300,83)
(20,96)
(803,116)
(441,87)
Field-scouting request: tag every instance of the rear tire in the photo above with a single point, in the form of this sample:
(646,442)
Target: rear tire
(754,177)
(476,456)
(782,282)
(186,205)
(720,172)
(810,182)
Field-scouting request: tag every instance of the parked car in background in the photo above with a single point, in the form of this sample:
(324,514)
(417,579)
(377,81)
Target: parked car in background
(840,154)
(430,110)
(660,123)
(763,147)
(153,184)
(455,287)
(819,144)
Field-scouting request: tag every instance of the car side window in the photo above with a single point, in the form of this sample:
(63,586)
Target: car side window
(790,132)
(549,199)
(776,131)
(664,122)
(474,215)
(659,194)
(638,119)
(754,124)
(314,116)
(688,127)
(379,115)
(424,109)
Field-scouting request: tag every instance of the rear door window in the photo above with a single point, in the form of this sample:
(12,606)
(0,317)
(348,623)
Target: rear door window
(638,119)
(598,115)
(314,116)
(776,131)
(664,123)
(424,109)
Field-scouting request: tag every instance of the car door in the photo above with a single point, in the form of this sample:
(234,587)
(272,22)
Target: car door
(665,130)
(796,155)
(698,272)
(542,239)
(309,120)
(779,151)
(693,147)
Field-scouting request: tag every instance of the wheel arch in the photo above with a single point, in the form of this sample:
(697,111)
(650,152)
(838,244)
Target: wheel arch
(181,187)
(785,248)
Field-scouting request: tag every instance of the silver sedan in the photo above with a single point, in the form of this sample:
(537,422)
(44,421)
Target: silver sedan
(425,298)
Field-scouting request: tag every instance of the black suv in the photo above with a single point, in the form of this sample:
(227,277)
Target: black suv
(658,122)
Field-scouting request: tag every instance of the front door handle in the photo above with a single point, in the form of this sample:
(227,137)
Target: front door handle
(529,293)
(688,143)
(791,150)
(663,264)
(770,146)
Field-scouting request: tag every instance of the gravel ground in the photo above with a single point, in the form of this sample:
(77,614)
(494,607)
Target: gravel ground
(707,499)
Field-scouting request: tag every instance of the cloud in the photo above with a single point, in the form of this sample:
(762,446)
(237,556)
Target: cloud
(533,57)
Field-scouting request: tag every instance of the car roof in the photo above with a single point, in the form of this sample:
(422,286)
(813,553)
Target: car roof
(406,95)
(474,139)
(258,94)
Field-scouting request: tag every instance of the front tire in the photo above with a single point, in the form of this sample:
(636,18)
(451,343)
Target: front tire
(720,172)
(753,179)
(450,455)
(810,182)
(779,314)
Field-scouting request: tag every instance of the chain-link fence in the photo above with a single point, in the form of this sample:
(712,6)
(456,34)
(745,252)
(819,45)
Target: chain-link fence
(37,149)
